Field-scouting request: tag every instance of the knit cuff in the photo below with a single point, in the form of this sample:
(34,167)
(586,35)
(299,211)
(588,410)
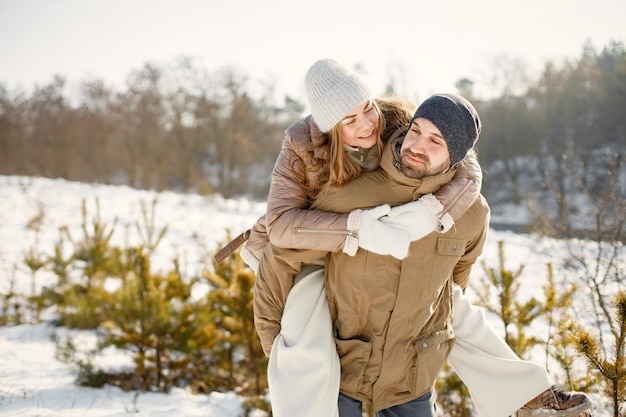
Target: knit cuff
(432,203)
(351,245)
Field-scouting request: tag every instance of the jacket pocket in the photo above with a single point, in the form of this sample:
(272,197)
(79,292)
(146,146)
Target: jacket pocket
(450,247)
(355,356)
(448,252)
(432,339)
(431,349)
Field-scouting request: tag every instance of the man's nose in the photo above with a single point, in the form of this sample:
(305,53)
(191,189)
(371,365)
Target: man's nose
(416,145)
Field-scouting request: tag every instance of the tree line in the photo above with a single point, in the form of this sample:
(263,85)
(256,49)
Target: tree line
(563,139)
(172,128)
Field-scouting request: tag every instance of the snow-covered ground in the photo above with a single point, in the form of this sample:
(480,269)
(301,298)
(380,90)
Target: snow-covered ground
(34,383)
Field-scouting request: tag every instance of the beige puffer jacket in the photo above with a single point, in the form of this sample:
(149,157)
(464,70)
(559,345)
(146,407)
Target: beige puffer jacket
(302,167)
(392,318)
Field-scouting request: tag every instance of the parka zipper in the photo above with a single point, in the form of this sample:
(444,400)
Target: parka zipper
(326,231)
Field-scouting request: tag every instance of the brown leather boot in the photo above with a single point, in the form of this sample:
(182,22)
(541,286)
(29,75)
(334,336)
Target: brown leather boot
(555,402)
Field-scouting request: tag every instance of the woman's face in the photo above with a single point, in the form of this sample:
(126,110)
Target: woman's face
(360,126)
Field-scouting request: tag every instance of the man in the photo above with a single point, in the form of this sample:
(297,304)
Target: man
(392,319)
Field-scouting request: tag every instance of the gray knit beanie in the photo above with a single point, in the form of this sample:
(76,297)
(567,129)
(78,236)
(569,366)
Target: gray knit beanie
(332,91)
(457,120)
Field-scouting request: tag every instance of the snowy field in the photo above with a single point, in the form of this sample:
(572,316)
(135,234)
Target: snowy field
(33,383)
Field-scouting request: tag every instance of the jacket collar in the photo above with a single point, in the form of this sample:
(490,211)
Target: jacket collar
(366,158)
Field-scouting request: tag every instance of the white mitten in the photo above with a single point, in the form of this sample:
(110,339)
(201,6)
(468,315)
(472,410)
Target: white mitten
(419,218)
(376,236)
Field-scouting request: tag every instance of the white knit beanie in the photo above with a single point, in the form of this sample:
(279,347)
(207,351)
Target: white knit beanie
(332,91)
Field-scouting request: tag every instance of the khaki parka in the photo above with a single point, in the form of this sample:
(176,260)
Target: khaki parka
(392,319)
(323,230)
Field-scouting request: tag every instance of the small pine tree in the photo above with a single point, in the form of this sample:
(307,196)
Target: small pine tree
(563,350)
(239,347)
(147,229)
(81,294)
(558,343)
(35,261)
(612,371)
(514,314)
(152,316)
(519,316)
(11,306)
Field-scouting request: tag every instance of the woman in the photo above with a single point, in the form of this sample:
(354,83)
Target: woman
(343,137)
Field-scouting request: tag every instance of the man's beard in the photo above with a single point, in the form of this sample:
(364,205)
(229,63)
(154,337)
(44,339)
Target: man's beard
(419,171)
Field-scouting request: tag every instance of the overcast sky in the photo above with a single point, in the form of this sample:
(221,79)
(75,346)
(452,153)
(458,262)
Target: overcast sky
(426,46)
